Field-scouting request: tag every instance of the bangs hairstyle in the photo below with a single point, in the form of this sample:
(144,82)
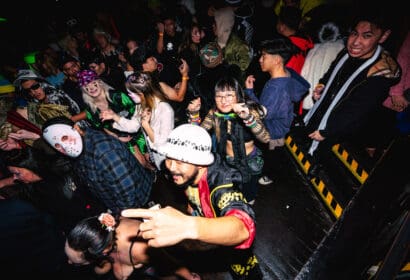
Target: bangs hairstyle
(282,46)
(230,84)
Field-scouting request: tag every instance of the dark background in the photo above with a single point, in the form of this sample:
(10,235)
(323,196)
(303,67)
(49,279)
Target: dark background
(32,25)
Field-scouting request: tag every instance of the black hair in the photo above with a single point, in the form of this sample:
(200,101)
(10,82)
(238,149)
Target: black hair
(169,14)
(144,54)
(96,58)
(290,16)
(28,157)
(229,83)
(65,59)
(57,120)
(282,46)
(377,13)
(91,238)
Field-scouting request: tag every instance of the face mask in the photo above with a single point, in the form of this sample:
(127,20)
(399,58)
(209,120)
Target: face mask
(134,96)
(64,138)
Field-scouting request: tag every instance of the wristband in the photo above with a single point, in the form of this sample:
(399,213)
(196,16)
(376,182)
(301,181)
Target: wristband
(160,34)
(185,78)
(196,121)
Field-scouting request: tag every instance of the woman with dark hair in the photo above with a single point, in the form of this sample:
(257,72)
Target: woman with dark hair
(108,243)
(189,49)
(236,123)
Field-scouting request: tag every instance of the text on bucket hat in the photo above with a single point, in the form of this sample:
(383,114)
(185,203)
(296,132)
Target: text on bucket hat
(85,77)
(189,143)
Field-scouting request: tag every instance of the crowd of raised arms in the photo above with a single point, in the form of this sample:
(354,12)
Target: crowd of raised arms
(124,140)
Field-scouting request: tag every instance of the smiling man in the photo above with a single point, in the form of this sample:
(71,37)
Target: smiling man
(350,95)
(219,212)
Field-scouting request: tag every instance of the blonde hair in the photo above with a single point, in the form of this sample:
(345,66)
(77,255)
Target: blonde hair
(90,100)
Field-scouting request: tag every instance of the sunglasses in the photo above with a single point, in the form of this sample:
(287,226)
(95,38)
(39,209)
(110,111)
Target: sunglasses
(33,87)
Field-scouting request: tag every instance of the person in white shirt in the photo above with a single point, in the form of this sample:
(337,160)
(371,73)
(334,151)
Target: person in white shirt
(153,114)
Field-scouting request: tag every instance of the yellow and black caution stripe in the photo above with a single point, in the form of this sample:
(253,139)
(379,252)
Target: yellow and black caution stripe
(406,267)
(347,159)
(318,183)
(327,197)
(297,154)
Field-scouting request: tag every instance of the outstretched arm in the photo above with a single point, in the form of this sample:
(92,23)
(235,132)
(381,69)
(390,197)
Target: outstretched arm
(168,226)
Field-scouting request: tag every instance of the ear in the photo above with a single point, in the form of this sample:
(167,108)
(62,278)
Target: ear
(385,35)
(278,59)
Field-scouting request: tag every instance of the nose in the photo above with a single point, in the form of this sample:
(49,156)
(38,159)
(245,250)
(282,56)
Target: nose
(356,40)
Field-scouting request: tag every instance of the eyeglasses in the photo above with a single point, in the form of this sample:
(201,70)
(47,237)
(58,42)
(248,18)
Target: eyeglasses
(33,87)
(228,97)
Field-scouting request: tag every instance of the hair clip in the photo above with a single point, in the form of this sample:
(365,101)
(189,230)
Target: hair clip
(107,221)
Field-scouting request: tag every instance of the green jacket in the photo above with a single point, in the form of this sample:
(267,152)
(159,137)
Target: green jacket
(237,52)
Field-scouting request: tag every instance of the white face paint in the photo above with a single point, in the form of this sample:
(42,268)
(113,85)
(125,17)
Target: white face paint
(64,138)
(134,96)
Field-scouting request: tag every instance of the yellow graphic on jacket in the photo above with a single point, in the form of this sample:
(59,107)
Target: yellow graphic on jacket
(244,269)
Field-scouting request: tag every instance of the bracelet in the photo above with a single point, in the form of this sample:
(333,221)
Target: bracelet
(160,34)
(251,125)
(185,78)
(195,121)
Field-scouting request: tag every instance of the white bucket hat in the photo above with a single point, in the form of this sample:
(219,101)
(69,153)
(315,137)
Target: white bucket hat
(189,143)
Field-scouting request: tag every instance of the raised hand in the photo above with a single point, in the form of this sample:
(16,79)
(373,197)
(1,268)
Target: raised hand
(317,91)
(195,105)
(162,227)
(241,110)
(184,68)
(250,80)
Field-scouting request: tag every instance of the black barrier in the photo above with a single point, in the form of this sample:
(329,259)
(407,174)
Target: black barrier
(351,163)
(348,160)
(364,233)
(319,183)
